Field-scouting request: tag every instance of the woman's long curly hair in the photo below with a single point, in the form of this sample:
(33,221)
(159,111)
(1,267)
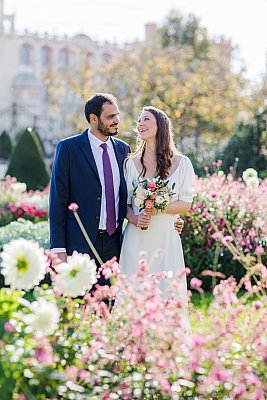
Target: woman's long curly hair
(165,147)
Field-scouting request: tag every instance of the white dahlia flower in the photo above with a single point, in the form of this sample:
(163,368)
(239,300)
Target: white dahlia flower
(252,182)
(249,173)
(76,275)
(23,264)
(44,317)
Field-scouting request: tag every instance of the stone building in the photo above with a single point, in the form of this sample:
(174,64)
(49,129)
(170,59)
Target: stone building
(25,58)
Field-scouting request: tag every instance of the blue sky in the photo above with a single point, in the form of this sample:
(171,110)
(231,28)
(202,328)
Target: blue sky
(244,21)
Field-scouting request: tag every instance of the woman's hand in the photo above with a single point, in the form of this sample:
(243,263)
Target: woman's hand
(151,211)
(142,220)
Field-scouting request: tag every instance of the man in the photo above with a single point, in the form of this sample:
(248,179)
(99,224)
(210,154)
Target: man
(88,170)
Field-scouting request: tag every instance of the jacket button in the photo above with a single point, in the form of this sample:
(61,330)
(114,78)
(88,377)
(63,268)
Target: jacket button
(97,217)
(98,198)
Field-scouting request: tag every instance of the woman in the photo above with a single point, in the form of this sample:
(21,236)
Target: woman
(156,156)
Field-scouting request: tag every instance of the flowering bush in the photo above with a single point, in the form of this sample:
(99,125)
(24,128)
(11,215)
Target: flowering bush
(234,210)
(54,347)
(16,202)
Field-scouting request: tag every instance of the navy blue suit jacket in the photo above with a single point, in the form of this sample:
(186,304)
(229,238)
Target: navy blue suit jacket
(75,179)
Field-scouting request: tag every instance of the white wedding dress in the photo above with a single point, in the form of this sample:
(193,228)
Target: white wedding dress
(161,242)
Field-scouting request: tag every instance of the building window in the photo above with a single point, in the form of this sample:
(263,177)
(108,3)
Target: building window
(64,57)
(45,56)
(25,54)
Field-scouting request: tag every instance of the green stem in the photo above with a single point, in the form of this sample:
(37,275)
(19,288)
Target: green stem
(92,247)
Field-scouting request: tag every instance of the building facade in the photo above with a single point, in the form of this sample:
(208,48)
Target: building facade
(25,58)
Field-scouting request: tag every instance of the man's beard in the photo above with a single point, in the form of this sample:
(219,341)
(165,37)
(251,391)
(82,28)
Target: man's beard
(104,130)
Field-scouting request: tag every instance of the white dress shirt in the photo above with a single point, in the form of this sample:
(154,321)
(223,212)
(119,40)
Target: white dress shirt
(97,153)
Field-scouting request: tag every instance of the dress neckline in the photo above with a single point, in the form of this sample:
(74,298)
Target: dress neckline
(176,169)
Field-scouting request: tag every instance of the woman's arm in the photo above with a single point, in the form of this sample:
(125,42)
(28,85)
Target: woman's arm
(140,221)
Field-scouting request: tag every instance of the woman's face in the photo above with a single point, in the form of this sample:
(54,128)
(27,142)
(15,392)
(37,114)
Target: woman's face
(147,126)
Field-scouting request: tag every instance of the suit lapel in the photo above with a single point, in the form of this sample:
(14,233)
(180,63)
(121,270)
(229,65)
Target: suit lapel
(87,151)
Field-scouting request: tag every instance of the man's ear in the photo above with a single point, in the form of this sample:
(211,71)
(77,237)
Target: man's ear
(93,118)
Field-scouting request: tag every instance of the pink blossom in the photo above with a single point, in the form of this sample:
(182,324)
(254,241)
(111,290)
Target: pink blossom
(257,304)
(248,285)
(195,283)
(73,207)
(44,355)
(238,391)
(9,327)
(84,375)
(152,186)
(198,340)
(259,251)
(71,372)
(227,239)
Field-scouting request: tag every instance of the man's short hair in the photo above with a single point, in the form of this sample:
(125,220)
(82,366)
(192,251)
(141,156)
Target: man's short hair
(95,104)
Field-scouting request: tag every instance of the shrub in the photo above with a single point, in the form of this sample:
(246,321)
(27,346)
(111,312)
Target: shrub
(27,163)
(5,145)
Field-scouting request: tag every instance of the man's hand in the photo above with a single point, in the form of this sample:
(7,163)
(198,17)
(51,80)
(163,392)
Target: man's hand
(179,224)
(58,258)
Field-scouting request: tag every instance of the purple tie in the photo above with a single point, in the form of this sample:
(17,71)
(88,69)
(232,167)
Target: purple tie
(109,190)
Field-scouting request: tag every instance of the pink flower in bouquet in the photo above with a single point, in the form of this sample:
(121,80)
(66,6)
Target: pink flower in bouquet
(149,203)
(73,207)
(152,186)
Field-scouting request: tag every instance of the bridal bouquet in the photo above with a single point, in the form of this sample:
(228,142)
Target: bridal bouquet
(154,192)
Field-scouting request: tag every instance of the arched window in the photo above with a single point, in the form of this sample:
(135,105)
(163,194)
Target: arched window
(64,57)
(25,54)
(45,56)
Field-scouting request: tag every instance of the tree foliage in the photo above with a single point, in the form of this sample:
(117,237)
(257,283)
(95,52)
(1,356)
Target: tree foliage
(5,145)
(27,163)
(179,30)
(249,146)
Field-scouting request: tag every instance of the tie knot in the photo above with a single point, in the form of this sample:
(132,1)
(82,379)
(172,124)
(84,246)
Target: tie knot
(104,146)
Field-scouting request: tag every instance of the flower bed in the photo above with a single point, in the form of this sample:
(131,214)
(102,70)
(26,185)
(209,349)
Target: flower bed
(16,202)
(233,208)
(53,346)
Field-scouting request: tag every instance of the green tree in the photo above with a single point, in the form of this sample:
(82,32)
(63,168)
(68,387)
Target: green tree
(179,30)
(5,145)
(27,163)
(249,146)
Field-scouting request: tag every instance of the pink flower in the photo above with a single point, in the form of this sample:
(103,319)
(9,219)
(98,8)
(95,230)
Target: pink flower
(238,391)
(71,372)
(198,340)
(44,355)
(257,304)
(73,207)
(259,250)
(227,239)
(84,375)
(149,203)
(195,283)
(152,186)
(8,327)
